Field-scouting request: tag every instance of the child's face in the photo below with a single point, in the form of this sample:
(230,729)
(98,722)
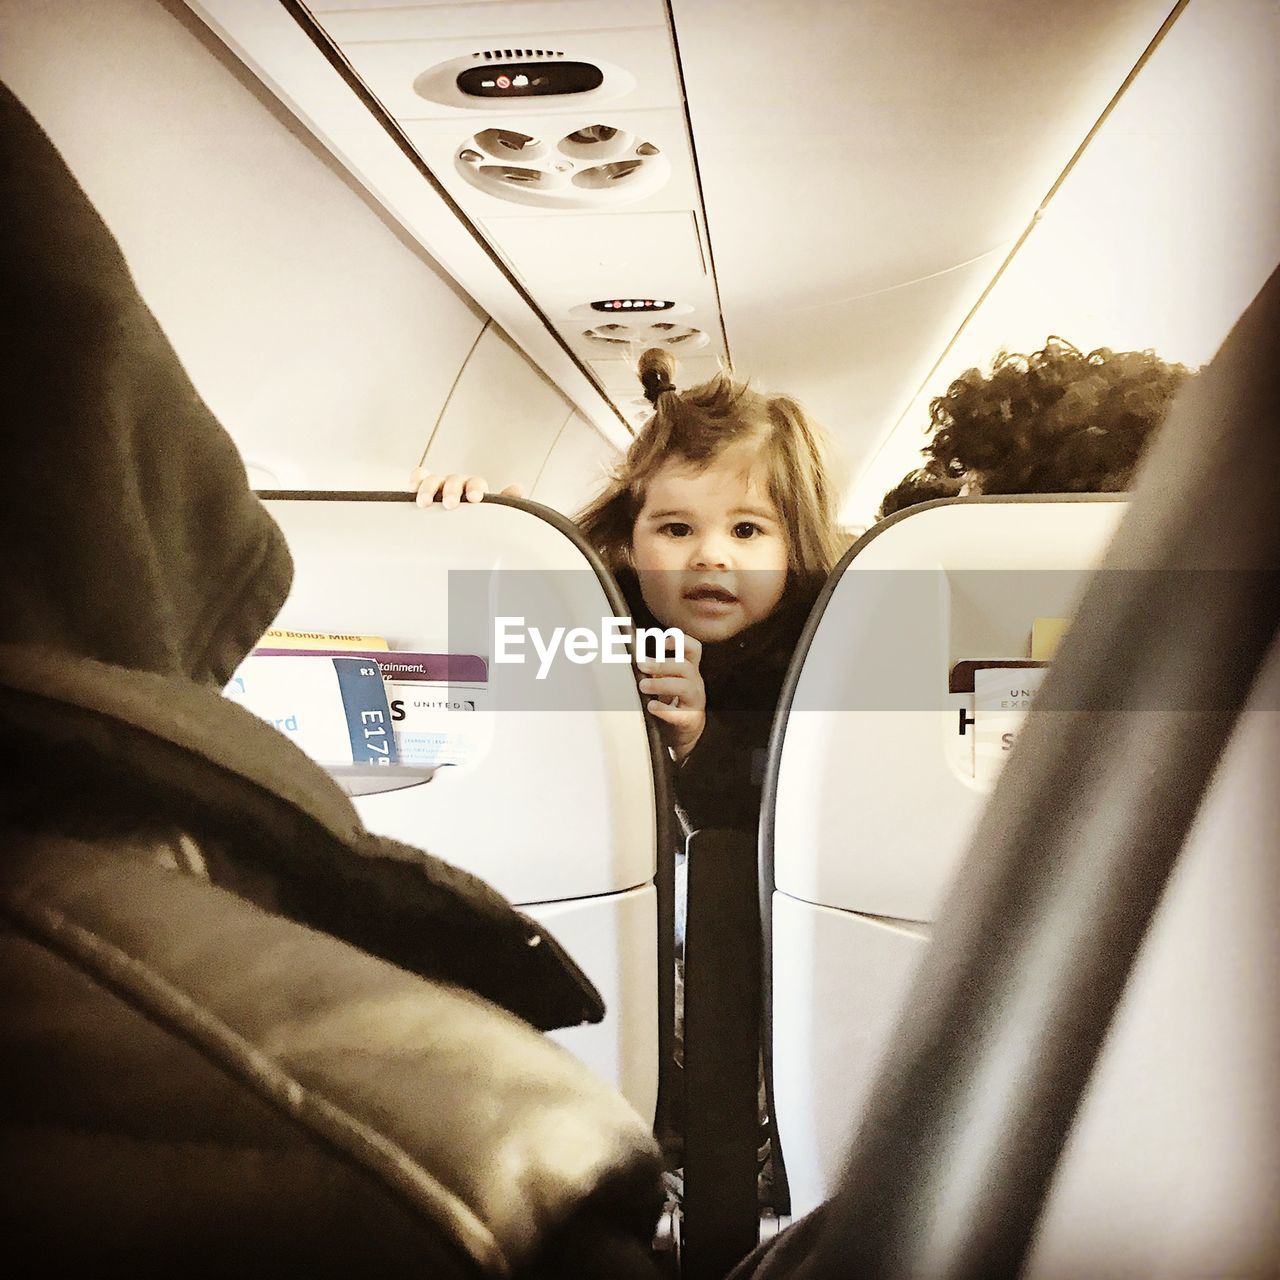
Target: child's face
(709,547)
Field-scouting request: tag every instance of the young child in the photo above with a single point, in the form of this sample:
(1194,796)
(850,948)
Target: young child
(719,521)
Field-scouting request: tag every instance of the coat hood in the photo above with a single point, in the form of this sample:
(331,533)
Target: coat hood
(130,533)
(138,569)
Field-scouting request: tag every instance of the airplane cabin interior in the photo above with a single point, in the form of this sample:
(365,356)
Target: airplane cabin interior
(359,918)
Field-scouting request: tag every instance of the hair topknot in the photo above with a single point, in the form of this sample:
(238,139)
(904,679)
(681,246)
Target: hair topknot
(657,370)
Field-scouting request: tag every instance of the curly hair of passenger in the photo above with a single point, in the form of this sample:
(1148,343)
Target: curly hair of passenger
(696,425)
(920,485)
(1056,421)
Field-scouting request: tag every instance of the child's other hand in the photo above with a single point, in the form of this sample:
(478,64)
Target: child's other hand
(678,698)
(452,489)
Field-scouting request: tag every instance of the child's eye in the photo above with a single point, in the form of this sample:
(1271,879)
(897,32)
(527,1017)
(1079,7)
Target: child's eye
(746,529)
(675,529)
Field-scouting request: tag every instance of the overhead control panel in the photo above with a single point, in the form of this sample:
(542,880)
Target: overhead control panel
(564,148)
(529,79)
(494,77)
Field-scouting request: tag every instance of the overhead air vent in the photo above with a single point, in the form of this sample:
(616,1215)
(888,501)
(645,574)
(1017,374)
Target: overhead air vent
(632,325)
(500,142)
(497,79)
(592,167)
(616,333)
(677,337)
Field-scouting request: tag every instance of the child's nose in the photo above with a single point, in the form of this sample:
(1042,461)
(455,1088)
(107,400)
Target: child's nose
(710,551)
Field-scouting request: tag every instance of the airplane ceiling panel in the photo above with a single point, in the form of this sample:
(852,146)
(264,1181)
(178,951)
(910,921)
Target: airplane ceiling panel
(575,469)
(499,409)
(1161,234)
(848,360)
(605,248)
(825,191)
(325,344)
(402,19)
(661,248)
(314,78)
(603,157)
(558,129)
(873,152)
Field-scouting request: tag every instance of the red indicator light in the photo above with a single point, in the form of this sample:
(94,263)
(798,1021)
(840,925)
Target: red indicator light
(504,82)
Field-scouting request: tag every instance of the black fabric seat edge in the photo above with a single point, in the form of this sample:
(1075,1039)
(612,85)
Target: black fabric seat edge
(721,1054)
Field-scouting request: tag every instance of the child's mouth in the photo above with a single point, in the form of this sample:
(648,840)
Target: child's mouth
(706,593)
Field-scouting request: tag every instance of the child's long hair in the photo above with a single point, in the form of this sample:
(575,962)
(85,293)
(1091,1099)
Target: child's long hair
(697,425)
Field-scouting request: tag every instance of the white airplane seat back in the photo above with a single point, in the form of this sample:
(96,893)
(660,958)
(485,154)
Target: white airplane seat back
(878,787)
(1172,1167)
(554,799)
(875,746)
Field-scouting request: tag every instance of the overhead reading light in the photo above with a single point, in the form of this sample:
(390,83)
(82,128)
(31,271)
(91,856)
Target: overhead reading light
(492,79)
(593,166)
(631,304)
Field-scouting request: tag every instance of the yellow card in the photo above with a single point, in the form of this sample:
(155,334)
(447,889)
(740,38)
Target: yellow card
(1046,633)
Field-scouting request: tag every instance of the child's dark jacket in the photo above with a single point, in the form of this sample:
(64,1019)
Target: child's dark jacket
(719,783)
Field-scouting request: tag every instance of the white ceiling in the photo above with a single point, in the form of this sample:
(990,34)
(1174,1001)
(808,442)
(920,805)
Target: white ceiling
(866,167)
(852,178)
